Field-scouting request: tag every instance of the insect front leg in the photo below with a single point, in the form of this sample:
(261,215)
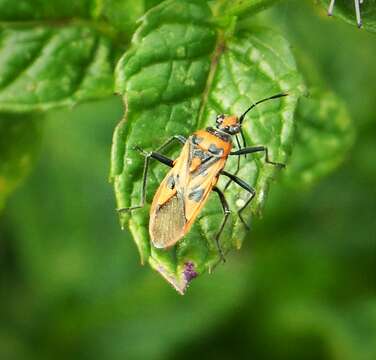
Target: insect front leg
(237,165)
(148,155)
(253,149)
(226,214)
(246,187)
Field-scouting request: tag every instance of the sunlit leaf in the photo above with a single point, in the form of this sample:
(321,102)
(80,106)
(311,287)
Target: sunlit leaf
(26,10)
(44,67)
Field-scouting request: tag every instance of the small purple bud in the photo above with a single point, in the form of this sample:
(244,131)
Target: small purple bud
(189,271)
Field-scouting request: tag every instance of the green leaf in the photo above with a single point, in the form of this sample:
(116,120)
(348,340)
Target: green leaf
(325,131)
(345,10)
(123,14)
(60,53)
(244,8)
(324,135)
(26,10)
(178,74)
(47,66)
(117,17)
(19,142)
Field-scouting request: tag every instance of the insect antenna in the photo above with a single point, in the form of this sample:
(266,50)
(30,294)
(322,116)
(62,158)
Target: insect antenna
(259,102)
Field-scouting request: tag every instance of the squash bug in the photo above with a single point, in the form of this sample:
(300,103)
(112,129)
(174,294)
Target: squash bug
(357,4)
(193,175)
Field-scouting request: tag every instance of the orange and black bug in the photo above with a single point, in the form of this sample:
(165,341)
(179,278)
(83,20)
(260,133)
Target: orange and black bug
(193,175)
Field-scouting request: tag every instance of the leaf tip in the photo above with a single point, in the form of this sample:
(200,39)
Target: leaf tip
(179,280)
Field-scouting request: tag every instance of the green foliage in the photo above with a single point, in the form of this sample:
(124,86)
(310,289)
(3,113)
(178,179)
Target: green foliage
(26,10)
(324,133)
(20,135)
(245,8)
(186,62)
(303,285)
(44,67)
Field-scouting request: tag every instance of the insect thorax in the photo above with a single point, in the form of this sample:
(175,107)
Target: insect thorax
(220,134)
(211,142)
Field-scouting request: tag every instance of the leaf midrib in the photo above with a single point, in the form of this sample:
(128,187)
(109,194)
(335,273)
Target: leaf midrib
(217,52)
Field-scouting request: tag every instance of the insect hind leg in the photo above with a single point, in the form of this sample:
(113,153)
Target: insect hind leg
(226,214)
(246,187)
(148,155)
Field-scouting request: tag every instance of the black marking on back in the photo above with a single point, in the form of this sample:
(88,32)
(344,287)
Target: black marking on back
(207,159)
(205,165)
(171,182)
(196,194)
(215,150)
(197,152)
(196,139)
(202,171)
(219,134)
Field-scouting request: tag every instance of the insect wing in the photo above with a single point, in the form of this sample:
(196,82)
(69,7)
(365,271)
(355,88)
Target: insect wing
(182,194)
(167,213)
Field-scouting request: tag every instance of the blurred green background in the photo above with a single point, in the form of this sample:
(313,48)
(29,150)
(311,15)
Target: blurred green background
(302,287)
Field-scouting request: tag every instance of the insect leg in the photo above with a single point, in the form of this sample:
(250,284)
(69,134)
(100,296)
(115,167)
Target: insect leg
(246,187)
(237,165)
(331,7)
(226,213)
(253,149)
(357,12)
(153,155)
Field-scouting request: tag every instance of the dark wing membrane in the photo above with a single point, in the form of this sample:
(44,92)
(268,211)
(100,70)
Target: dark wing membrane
(168,224)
